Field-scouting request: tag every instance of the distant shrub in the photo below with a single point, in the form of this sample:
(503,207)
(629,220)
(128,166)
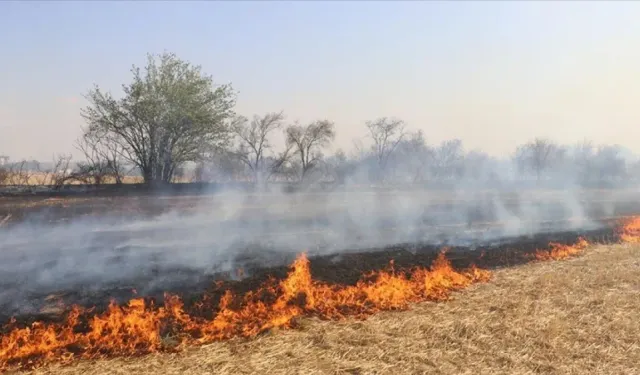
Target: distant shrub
(4,175)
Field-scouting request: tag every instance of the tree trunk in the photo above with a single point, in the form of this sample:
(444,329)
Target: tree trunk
(147,175)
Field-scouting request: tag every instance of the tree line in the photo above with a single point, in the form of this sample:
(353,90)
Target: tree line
(172,115)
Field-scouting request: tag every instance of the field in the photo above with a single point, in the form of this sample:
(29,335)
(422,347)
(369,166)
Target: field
(569,317)
(44,178)
(120,277)
(478,206)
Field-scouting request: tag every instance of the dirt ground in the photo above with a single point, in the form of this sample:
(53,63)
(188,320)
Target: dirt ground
(567,317)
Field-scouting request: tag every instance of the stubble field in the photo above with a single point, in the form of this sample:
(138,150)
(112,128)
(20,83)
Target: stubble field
(575,316)
(516,315)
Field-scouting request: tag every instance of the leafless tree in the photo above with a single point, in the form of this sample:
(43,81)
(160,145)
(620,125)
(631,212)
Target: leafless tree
(220,165)
(39,176)
(290,170)
(359,150)
(199,172)
(386,134)
(57,175)
(103,159)
(254,147)
(307,142)
(20,174)
(609,165)
(415,154)
(598,164)
(582,155)
(539,156)
(448,160)
(338,167)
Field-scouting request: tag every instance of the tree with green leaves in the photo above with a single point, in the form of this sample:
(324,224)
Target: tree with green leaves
(171,113)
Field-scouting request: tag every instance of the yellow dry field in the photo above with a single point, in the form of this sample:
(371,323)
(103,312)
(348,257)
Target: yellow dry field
(579,316)
(42,178)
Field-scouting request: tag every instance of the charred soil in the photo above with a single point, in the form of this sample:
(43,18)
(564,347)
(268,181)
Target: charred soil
(339,269)
(572,317)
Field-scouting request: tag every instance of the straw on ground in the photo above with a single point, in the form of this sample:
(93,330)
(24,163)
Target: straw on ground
(569,317)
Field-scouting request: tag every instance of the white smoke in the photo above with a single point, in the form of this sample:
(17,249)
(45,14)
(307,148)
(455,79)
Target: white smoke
(268,228)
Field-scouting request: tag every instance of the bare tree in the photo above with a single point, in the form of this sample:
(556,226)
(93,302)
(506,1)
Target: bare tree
(169,115)
(359,150)
(220,165)
(255,149)
(57,175)
(338,167)
(448,160)
(102,159)
(415,154)
(608,164)
(290,170)
(307,142)
(20,174)
(582,157)
(539,156)
(386,134)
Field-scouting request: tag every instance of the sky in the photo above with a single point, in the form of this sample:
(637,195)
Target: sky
(493,74)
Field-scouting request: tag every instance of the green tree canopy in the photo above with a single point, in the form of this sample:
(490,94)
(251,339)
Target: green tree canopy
(171,113)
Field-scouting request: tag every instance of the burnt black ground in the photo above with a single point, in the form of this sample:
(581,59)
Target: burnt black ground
(61,208)
(340,268)
(336,264)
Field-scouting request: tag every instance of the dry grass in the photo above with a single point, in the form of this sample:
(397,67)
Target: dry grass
(45,178)
(580,316)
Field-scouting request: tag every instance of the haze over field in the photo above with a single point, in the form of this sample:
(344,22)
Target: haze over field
(492,74)
(460,76)
(228,231)
(222,169)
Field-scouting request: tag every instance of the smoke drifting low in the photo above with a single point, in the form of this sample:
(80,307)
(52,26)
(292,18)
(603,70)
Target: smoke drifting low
(268,230)
(233,228)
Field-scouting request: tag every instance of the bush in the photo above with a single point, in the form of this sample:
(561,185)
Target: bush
(4,175)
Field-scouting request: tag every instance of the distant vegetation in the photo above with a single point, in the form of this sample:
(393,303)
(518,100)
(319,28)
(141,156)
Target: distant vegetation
(174,124)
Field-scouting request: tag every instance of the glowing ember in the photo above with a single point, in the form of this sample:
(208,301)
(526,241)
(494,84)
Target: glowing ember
(630,231)
(141,328)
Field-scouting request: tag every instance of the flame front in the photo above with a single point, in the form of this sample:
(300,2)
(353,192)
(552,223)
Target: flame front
(558,251)
(630,231)
(139,327)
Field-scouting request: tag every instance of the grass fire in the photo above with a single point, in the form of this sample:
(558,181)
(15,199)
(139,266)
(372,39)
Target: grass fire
(141,327)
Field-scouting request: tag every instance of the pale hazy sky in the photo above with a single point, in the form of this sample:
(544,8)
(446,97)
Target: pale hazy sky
(493,74)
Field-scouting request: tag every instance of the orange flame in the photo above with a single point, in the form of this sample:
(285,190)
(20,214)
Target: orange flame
(139,327)
(630,231)
(558,251)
